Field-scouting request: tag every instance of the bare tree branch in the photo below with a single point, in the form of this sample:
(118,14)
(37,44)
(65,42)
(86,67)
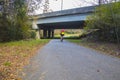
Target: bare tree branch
(33,5)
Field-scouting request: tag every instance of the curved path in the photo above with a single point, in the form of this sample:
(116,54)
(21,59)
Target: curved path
(67,61)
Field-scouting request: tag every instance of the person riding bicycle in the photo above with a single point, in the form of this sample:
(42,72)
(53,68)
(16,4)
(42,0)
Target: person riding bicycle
(62,34)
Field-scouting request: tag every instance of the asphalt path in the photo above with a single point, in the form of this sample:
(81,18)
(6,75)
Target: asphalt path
(67,61)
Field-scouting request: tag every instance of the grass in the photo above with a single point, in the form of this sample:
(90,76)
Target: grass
(15,55)
(7,63)
(23,43)
(103,47)
(75,40)
(68,35)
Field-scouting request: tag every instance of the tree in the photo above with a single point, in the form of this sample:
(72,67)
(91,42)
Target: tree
(106,20)
(14,21)
(21,19)
(33,5)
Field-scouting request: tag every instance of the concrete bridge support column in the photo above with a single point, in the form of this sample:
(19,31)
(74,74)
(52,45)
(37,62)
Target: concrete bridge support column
(49,33)
(44,33)
(52,33)
(39,33)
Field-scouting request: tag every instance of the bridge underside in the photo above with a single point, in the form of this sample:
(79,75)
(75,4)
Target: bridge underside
(63,25)
(48,28)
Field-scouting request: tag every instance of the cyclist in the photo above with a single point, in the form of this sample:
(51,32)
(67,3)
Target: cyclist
(62,34)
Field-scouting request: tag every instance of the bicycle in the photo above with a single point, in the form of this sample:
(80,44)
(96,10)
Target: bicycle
(61,39)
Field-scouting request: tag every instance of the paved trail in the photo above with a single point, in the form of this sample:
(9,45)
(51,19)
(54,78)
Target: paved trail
(68,61)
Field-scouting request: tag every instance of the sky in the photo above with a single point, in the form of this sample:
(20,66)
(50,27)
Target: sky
(55,5)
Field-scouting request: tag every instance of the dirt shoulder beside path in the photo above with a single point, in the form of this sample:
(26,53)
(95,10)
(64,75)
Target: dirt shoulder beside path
(105,48)
(15,55)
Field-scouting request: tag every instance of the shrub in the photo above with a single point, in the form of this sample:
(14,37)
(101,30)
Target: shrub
(33,34)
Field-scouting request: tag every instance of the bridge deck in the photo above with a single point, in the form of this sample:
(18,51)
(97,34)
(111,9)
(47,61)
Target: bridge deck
(80,10)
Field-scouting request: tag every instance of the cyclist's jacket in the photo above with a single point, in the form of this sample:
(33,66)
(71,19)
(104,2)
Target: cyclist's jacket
(62,33)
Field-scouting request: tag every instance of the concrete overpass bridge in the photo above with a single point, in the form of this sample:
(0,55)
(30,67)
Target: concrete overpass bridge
(65,19)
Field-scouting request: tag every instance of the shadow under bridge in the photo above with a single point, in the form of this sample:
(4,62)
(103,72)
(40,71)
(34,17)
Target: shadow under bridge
(48,28)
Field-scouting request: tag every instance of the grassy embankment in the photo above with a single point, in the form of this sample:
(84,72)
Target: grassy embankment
(69,33)
(103,47)
(15,55)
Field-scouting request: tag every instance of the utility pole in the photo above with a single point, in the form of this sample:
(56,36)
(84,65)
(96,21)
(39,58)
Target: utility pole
(46,6)
(61,4)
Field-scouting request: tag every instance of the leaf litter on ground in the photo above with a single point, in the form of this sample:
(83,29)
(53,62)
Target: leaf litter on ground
(15,55)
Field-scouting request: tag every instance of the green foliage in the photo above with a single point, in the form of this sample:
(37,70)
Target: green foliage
(4,29)
(106,20)
(21,19)
(33,34)
(15,26)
